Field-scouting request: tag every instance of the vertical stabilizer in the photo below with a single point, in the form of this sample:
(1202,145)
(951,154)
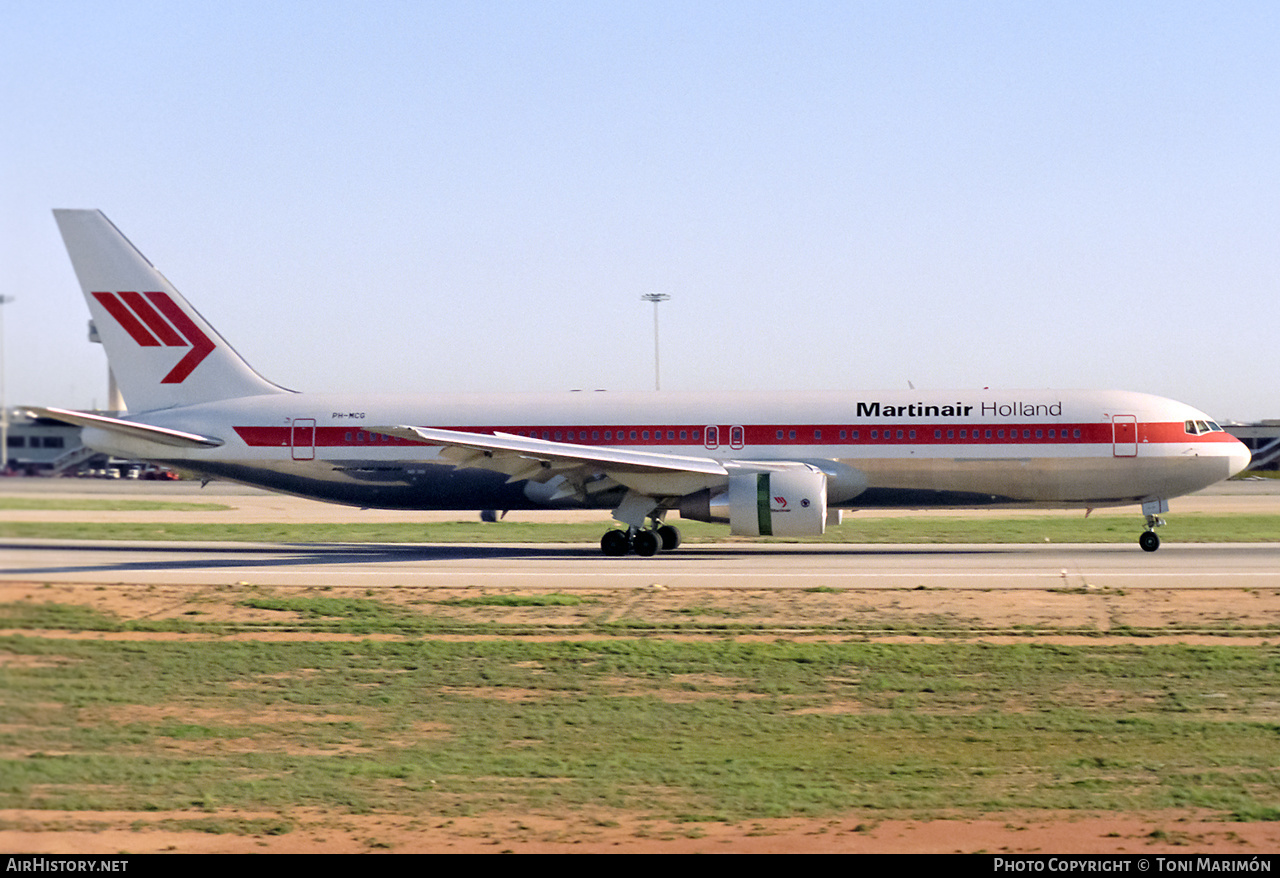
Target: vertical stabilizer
(162,352)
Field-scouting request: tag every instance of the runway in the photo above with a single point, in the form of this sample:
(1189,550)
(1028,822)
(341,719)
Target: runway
(565,567)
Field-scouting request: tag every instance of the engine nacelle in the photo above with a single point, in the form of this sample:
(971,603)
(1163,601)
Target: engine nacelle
(781,503)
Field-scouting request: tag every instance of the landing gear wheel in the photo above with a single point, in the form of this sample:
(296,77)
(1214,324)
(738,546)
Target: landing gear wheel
(1149,541)
(646,543)
(670,537)
(615,543)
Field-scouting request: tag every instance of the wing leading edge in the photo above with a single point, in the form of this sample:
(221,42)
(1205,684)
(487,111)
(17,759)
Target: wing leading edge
(582,467)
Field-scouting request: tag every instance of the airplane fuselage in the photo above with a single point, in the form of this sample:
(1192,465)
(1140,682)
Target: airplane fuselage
(888,448)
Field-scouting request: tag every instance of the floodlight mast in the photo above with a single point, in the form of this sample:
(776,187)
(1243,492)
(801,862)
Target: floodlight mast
(655,298)
(4,409)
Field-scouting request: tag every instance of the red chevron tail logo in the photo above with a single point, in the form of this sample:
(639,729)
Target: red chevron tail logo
(155,320)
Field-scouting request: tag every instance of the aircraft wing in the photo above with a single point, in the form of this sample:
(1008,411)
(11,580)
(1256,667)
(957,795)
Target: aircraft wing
(652,473)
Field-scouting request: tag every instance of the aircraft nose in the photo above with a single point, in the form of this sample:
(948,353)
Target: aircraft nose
(1239,458)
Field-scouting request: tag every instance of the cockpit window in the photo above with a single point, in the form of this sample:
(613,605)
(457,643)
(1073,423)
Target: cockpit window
(1195,428)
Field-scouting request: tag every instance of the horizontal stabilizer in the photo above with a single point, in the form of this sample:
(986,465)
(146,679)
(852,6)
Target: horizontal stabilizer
(160,435)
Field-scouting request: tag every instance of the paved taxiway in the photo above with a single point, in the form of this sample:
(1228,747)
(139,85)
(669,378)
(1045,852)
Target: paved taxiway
(1234,565)
(1175,565)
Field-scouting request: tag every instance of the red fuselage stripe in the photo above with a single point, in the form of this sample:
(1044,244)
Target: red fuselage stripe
(767,435)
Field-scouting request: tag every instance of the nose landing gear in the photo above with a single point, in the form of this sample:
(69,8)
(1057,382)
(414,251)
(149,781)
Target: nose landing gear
(1152,509)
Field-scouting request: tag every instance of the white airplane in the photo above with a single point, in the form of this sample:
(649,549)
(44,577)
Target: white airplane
(765,464)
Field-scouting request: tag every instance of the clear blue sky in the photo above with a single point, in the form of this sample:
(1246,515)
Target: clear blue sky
(421,196)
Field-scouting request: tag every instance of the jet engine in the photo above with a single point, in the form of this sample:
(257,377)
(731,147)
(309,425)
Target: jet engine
(781,503)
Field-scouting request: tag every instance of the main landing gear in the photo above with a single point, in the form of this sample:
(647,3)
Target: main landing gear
(645,542)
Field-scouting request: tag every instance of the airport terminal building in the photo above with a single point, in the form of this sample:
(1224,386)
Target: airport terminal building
(40,446)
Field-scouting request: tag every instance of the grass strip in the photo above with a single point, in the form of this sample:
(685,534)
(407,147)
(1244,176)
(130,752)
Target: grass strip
(711,730)
(41,504)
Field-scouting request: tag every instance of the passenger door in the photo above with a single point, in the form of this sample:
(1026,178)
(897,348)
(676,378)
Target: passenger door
(302,436)
(1124,436)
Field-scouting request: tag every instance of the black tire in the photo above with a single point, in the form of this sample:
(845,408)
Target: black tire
(615,543)
(670,537)
(646,543)
(1149,541)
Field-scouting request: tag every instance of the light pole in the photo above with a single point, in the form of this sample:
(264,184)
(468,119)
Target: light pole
(655,298)
(4,408)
